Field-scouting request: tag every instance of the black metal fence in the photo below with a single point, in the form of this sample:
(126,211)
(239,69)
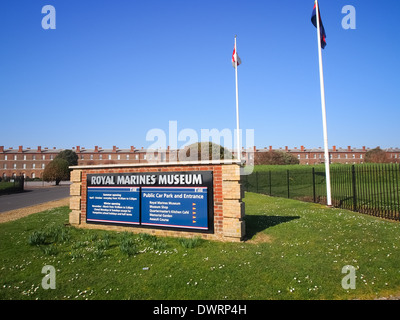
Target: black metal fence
(11,184)
(371,189)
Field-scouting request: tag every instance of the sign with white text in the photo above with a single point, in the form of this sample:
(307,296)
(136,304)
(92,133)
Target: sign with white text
(175,207)
(178,200)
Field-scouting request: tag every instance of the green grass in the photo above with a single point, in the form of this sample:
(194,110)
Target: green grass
(295,250)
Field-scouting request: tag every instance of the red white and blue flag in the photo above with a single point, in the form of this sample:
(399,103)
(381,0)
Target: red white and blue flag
(321,26)
(235,57)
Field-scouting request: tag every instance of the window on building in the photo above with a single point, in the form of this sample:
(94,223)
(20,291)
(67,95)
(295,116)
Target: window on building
(136,157)
(101,157)
(51,157)
(91,157)
(118,157)
(109,157)
(354,156)
(127,157)
(43,165)
(24,156)
(15,157)
(5,157)
(34,166)
(298,156)
(14,166)
(346,156)
(5,166)
(34,157)
(24,166)
(43,157)
(338,156)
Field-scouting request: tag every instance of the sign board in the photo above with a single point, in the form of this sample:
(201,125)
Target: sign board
(113,204)
(172,200)
(175,207)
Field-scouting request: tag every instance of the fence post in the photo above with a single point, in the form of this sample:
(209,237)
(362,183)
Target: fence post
(313,184)
(353,172)
(288,188)
(270,183)
(257,181)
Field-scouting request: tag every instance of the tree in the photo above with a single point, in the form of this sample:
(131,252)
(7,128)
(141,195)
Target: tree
(376,155)
(57,170)
(204,151)
(275,157)
(68,155)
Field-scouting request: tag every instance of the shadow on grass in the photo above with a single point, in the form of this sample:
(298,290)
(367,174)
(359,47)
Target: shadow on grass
(258,223)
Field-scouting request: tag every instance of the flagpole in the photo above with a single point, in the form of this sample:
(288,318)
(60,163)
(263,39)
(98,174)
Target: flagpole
(239,156)
(322,85)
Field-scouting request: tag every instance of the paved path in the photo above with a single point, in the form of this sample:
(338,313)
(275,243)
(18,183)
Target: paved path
(32,196)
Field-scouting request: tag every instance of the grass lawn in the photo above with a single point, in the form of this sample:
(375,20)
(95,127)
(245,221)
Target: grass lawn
(295,250)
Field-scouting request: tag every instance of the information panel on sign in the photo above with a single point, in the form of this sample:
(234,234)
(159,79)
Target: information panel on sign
(176,207)
(113,205)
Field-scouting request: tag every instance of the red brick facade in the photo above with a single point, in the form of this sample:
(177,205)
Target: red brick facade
(31,162)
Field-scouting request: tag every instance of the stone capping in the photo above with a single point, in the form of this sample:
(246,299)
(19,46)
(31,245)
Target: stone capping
(158,164)
(229,210)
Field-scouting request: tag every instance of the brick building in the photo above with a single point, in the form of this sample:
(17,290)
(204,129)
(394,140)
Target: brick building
(31,162)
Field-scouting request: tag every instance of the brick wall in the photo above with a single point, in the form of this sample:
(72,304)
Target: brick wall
(227,192)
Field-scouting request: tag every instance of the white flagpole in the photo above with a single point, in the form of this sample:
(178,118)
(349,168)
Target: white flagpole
(321,76)
(239,155)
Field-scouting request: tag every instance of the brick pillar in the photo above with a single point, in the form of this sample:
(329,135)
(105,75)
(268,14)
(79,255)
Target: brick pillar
(75,199)
(233,207)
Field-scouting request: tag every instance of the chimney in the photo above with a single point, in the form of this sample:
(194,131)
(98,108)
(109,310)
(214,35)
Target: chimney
(1,148)
(334,148)
(302,148)
(20,149)
(132,149)
(78,149)
(364,148)
(254,148)
(114,149)
(270,148)
(96,148)
(39,149)
(286,148)
(349,148)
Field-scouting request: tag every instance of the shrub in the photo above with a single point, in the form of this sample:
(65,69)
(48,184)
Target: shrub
(189,243)
(37,238)
(128,246)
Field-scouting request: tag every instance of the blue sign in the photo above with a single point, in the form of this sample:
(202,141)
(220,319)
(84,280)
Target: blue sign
(113,205)
(176,207)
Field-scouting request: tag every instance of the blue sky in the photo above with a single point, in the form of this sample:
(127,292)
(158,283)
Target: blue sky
(113,70)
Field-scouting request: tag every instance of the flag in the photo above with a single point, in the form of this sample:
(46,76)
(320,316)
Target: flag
(321,26)
(234,56)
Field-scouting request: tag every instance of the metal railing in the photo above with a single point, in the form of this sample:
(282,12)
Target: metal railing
(369,188)
(11,184)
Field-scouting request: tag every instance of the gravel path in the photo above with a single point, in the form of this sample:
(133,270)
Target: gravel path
(23,212)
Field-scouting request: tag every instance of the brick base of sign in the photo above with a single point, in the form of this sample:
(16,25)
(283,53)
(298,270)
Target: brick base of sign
(228,208)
